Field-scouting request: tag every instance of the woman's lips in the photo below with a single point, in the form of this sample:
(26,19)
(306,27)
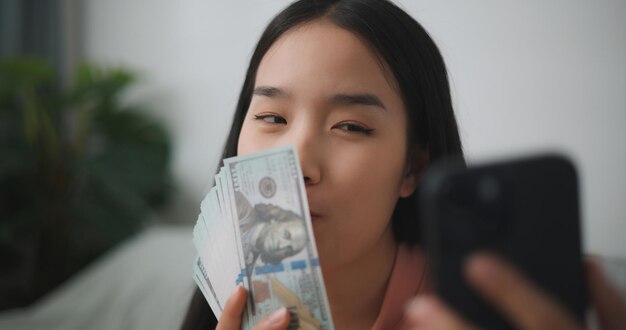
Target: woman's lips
(315,216)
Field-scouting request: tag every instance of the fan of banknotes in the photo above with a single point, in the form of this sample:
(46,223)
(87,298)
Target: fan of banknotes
(254,229)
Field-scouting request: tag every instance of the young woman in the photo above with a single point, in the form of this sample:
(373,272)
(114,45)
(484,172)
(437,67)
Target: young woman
(362,91)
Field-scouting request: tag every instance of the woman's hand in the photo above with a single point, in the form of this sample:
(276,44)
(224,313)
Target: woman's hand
(518,299)
(606,300)
(233,310)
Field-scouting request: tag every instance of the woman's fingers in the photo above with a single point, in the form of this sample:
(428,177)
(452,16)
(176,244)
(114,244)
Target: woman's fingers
(606,300)
(277,320)
(521,301)
(233,309)
(428,312)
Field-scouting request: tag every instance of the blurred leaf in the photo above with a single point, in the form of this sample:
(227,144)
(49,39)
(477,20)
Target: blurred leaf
(17,72)
(79,171)
(99,86)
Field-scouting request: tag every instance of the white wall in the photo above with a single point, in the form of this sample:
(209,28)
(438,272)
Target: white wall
(527,75)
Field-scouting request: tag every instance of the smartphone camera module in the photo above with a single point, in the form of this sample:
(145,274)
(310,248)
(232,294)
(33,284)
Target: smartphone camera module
(488,189)
(491,218)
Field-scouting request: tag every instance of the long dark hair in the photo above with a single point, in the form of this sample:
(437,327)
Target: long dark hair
(415,62)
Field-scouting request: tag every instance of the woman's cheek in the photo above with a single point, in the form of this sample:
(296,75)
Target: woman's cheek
(251,139)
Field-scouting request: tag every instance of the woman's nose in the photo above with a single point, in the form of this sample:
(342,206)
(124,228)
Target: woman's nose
(308,146)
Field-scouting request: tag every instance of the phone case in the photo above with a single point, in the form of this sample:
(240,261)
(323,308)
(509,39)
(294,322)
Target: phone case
(525,210)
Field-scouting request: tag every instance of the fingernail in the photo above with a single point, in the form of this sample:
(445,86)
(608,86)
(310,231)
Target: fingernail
(481,267)
(236,290)
(419,308)
(278,315)
(594,260)
(594,267)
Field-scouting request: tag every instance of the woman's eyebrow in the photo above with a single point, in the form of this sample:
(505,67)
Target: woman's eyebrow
(358,99)
(269,91)
(366,99)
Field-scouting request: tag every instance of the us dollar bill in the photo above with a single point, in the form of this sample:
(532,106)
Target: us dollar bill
(276,251)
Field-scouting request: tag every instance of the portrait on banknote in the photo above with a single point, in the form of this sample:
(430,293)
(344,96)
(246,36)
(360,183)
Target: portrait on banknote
(268,232)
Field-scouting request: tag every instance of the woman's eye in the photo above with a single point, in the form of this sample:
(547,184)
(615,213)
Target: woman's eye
(271,118)
(354,128)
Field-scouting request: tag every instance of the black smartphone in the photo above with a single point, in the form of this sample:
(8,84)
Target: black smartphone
(525,210)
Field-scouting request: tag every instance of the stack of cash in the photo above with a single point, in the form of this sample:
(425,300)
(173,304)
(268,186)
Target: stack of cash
(254,229)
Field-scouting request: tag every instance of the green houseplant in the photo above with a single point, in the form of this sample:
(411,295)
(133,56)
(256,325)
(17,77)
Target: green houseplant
(79,171)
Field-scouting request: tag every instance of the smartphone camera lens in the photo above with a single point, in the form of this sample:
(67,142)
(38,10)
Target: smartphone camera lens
(492,208)
(488,189)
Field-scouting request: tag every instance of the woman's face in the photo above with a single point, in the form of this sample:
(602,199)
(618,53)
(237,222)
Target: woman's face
(322,89)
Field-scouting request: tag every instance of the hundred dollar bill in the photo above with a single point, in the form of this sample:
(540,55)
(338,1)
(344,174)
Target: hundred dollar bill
(214,239)
(201,278)
(276,249)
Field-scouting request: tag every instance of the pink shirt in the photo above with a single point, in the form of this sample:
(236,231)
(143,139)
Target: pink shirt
(405,282)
